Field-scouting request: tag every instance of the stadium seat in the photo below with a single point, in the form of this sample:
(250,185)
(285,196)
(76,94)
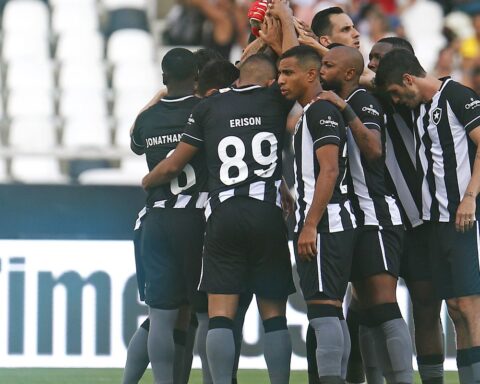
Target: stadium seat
(76,3)
(122,133)
(82,75)
(20,46)
(125,18)
(87,132)
(130,45)
(30,74)
(26,16)
(74,18)
(37,170)
(80,46)
(30,103)
(128,104)
(83,103)
(115,4)
(136,76)
(32,134)
(131,171)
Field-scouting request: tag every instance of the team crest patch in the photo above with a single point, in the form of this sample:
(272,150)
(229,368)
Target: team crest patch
(436,115)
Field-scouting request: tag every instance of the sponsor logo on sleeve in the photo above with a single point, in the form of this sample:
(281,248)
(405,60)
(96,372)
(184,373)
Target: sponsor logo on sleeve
(371,110)
(473,104)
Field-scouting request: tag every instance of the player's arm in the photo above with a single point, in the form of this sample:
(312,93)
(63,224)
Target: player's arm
(170,167)
(288,201)
(223,27)
(465,217)
(327,157)
(135,138)
(369,141)
(282,11)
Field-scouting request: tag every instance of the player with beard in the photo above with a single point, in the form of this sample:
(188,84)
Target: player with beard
(415,267)
(379,239)
(447,134)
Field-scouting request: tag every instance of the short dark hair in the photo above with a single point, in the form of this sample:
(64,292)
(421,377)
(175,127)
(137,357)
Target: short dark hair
(266,66)
(216,74)
(303,53)
(179,64)
(335,45)
(398,43)
(204,55)
(321,24)
(394,65)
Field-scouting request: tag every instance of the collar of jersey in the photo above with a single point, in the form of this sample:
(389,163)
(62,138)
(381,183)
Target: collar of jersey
(354,92)
(246,88)
(177,99)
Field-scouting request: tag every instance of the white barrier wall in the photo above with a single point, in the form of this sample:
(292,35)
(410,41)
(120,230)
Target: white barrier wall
(73,303)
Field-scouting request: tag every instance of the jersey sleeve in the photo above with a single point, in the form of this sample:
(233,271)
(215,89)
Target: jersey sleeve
(368,110)
(136,136)
(465,104)
(325,124)
(194,133)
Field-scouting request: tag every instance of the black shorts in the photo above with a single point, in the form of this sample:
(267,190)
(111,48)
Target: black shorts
(454,260)
(377,250)
(246,250)
(415,262)
(171,253)
(326,276)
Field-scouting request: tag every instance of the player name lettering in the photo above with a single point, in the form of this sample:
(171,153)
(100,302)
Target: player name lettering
(164,139)
(245,121)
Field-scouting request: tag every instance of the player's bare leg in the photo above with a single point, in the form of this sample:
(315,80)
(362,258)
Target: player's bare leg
(220,341)
(428,331)
(278,345)
(465,314)
(377,295)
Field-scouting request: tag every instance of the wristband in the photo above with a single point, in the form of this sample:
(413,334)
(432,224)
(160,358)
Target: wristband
(348,114)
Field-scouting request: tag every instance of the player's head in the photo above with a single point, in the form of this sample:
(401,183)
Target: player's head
(332,25)
(398,74)
(179,67)
(298,71)
(215,75)
(257,69)
(204,55)
(340,66)
(385,45)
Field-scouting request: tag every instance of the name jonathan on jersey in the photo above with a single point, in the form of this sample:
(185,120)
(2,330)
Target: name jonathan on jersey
(164,139)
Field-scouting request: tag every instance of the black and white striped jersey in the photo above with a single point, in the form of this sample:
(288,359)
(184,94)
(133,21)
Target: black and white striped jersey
(445,153)
(321,124)
(372,203)
(400,160)
(156,132)
(241,132)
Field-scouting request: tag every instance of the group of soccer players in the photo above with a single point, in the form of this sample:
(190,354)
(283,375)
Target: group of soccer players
(386,181)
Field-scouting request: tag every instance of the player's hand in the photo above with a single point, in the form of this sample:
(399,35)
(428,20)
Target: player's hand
(465,217)
(256,15)
(307,243)
(288,201)
(303,29)
(271,33)
(333,98)
(146,182)
(280,10)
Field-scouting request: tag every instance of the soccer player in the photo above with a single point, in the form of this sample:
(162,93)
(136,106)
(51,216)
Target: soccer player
(215,74)
(379,239)
(171,261)
(323,239)
(241,132)
(447,118)
(414,264)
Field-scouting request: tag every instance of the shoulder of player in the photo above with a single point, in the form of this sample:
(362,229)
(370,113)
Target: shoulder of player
(364,102)
(322,106)
(453,89)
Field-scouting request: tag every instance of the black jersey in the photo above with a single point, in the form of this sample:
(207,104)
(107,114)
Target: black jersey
(241,131)
(156,132)
(321,124)
(372,203)
(400,160)
(445,152)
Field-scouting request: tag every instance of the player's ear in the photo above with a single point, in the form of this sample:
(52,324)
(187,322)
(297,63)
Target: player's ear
(407,79)
(165,78)
(312,74)
(270,82)
(350,74)
(324,40)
